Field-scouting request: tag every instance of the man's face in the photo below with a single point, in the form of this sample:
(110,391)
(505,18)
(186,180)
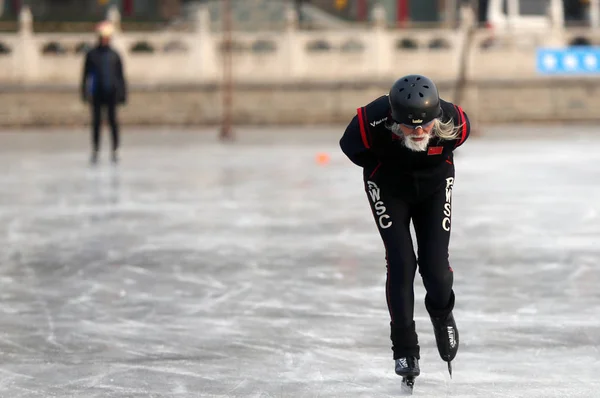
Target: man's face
(416,138)
(104,40)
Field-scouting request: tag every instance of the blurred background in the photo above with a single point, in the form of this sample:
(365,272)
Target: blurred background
(260,61)
(194,267)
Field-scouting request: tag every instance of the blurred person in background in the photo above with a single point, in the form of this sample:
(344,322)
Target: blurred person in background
(404,141)
(103,86)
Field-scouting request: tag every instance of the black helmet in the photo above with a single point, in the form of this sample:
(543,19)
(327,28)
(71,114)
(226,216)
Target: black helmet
(414,100)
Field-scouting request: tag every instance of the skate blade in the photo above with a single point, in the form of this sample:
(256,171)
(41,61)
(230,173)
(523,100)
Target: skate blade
(450,368)
(408,383)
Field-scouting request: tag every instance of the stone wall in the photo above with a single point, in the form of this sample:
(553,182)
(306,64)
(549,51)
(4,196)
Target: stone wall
(289,55)
(485,101)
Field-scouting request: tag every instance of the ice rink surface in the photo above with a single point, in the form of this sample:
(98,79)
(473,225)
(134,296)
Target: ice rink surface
(197,269)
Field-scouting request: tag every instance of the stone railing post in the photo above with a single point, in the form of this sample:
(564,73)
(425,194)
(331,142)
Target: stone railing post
(203,51)
(380,46)
(463,43)
(27,55)
(594,10)
(114,17)
(295,51)
(556,36)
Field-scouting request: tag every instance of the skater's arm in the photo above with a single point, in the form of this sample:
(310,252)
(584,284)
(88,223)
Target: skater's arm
(356,146)
(84,76)
(122,79)
(464,126)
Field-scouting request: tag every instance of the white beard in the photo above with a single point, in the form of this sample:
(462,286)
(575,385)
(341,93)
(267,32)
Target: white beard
(415,146)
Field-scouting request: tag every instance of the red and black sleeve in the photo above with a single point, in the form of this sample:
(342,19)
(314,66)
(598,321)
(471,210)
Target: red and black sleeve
(356,141)
(465,126)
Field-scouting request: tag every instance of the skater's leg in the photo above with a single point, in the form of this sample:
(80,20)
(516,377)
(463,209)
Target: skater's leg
(114,128)
(392,219)
(432,221)
(96,110)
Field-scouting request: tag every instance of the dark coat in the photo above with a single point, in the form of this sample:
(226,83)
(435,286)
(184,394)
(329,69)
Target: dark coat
(103,78)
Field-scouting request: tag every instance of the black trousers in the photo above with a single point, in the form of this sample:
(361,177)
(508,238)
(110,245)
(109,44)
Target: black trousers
(98,106)
(431,217)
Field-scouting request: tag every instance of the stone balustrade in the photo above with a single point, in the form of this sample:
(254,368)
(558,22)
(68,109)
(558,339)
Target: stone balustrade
(368,53)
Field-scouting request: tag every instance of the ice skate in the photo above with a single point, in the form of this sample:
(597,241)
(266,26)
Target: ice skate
(446,338)
(94,158)
(115,157)
(446,333)
(408,368)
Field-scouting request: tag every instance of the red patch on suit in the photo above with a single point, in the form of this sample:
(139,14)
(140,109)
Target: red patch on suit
(435,150)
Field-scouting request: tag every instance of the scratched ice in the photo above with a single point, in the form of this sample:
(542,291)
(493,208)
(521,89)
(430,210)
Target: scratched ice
(195,269)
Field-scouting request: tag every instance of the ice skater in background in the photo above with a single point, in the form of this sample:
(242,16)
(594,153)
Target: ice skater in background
(103,85)
(404,141)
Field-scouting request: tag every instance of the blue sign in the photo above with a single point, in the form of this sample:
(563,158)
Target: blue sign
(582,60)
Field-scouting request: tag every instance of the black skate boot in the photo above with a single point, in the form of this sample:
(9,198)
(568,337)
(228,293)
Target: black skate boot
(408,368)
(406,355)
(446,333)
